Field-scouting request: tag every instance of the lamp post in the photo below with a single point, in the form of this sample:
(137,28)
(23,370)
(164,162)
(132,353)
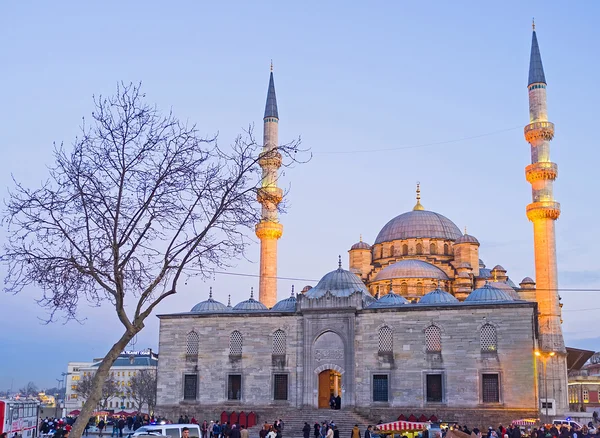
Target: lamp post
(544,356)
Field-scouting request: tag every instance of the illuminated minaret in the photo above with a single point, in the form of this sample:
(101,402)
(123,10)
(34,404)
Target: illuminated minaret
(542,212)
(269,230)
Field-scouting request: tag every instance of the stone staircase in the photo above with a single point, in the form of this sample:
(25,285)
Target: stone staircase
(293,420)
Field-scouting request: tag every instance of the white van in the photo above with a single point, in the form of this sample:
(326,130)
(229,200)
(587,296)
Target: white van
(572,424)
(169,430)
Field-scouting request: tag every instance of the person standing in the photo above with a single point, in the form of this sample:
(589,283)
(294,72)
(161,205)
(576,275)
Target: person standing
(101,425)
(355,432)
(121,426)
(204,429)
(368,431)
(329,432)
(317,429)
(306,430)
(244,432)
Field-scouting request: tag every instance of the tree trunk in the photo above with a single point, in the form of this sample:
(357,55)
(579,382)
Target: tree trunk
(99,378)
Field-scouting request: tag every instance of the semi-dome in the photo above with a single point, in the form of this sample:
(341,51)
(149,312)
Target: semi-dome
(438,296)
(390,300)
(416,224)
(287,305)
(339,283)
(487,294)
(466,238)
(507,288)
(209,306)
(250,305)
(410,269)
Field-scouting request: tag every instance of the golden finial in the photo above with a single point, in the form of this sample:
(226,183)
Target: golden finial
(418,205)
(361,237)
(533,24)
(495,276)
(271,66)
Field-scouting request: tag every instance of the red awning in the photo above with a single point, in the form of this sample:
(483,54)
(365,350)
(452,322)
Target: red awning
(402,425)
(74,413)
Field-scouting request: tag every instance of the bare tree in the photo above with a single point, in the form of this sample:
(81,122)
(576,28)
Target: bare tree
(29,389)
(110,388)
(139,202)
(143,389)
(84,386)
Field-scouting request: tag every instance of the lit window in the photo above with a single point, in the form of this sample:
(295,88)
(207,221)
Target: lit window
(586,396)
(433,339)
(488,338)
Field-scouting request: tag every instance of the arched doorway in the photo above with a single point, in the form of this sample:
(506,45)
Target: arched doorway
(330,383)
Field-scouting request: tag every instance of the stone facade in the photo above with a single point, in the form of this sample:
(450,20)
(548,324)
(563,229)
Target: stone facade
(346,339)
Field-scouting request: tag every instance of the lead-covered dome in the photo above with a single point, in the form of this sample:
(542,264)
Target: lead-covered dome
(250,305)
(410,269)
(390,300)
(506,287)
(209,306)
(287,305)
(466,238)
(340,283)
(418,223)
(487,294)
(360,245)
(438,296)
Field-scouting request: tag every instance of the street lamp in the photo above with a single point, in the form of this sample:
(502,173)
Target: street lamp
(544,356)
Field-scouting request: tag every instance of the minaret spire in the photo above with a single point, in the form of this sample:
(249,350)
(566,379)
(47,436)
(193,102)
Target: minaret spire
(418,205)
(543,212)
(269,195)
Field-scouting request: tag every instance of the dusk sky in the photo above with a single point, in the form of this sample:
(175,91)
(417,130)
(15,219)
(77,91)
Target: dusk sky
(384,94)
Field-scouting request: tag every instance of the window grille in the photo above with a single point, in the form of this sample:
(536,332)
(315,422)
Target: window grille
(490,388)
(190,386)
(386,340)
(434,388)
(279,342)
(433,339)
(280,387)
(488,338)
(380,388)
(433,248)
(235,343)
(192,343)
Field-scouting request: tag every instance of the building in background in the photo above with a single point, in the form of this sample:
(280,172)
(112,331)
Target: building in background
(584,386)
(127,365)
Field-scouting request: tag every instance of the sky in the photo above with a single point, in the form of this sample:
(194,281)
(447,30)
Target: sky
(384,94)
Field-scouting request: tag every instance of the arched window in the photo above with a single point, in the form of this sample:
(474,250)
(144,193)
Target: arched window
(192,342)
(235,343)
(446,249)
(279,343)
(433,248)
(404,288)
(392,250)
(405,249)
(386,340)
(419,288)
(433,339)
(488,338)
(419,248)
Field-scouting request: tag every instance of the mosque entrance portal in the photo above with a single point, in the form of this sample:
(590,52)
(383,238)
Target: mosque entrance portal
(330,383)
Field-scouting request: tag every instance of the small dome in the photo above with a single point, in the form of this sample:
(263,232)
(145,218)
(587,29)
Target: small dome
(481,264)
(488,293)
(466,238)
(484,273)
(498,268)
(340,283)
(287,305)
(306,289)
(209,306)
(418,223)
(506,288)
(463,265)
(438,296)
(250,305)
(360,245)
(389,300)
(410,269)
(527,280)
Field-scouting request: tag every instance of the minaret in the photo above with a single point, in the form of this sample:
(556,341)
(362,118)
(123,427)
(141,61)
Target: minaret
(269,230)
(542,212)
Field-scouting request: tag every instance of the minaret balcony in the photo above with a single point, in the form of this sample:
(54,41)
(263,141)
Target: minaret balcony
(543,210)
(269,194)
(539,131)
(270,158)
(541,171)
(269,230)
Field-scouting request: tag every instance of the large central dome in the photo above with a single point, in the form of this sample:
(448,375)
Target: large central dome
(417,224)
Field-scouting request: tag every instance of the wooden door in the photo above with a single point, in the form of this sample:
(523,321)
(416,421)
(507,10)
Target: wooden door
(324,390)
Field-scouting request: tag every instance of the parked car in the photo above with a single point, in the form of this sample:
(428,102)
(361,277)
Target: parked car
(572,424)
(169,430)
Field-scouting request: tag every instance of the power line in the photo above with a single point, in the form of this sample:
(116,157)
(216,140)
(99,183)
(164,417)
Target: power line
(435,143)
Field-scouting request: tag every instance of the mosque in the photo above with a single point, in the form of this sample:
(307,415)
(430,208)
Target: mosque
(418,323)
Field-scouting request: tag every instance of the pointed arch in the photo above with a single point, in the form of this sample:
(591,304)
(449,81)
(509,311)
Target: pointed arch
(488,338)
(279,343)
(192,343)
(433,339)
(432,248)
(405,249)
(404,288)
(236,341)
(419,248)
(386,340)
